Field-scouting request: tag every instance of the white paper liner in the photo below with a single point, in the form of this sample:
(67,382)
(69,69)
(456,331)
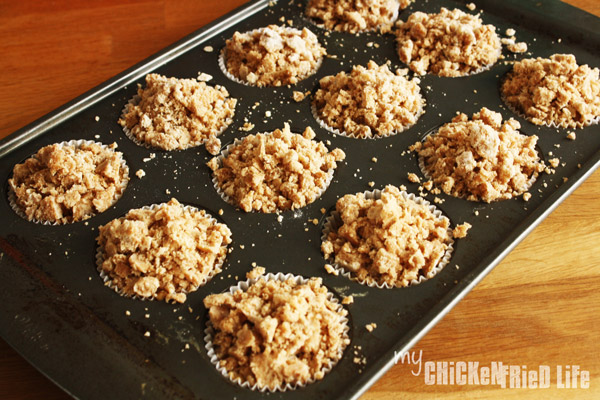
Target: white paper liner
(474,72)
(428,176)
(12,200)
(335,131)
(243,285)
(135,101)
(333,223)
(552,124)
(223,64)
(225,153)
(369,30)
(108,280)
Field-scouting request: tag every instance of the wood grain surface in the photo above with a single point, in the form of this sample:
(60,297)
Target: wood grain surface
(540,306)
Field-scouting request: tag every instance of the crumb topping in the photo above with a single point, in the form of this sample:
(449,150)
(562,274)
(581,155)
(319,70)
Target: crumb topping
(450,43)
(355,15)
(277,332)
(392,240)
(68,183)
(369,102)
(174,114)
(162,253)
(481,159)
(554,90)
(273,56)
(270,172)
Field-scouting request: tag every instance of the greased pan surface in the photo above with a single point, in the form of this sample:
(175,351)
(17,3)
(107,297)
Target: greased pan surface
(58,314)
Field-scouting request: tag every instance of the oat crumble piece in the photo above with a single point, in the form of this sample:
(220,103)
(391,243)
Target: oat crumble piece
(140,173)
(460,231)
(369,102)
(277,171)
(450,43)
(571,136)
(175,114)
(68,183)
(518,47)
(414,178)
(554,90)
(331,270)
(256,273)
(482,158)
(392,240)
(162,253)
(273,56)
(355,16)
(213,145)
(298,96)
(248,126)
(277,332)
(510,32)
(526,196)
(348,300)
(371,327)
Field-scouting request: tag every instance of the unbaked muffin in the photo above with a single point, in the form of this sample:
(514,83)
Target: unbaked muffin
(480,159)
(271,172)
(161,252)
(276,332)
(272,56)
(554,91)
(68,182)
(175,114)
(450,43)
(368,102)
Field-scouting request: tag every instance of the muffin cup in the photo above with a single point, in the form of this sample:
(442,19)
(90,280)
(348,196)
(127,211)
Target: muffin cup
(225,153)
(551,124)
(12,200)
(108,281)
(244,285)
(223,64)
(335,131)
(428,176)
(334,222)
(135,100)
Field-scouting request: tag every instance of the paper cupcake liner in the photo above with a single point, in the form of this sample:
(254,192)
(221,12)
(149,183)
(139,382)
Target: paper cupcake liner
(223,64)
(476,71)
(333,222)
(244,285)
(135,101)
(217,267)
(12,199)
(335,131)
(229,200)
(428,176)
(370,30)
(551,124)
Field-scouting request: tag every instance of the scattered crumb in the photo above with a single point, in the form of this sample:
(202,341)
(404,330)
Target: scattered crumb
(460,231)
(147,334)
(248,126)
(140,173)
(510,32)
(371,184)
(330,270)
(348,300)
(97,118)
(519,47)
(526,196)
(571,136)
(412,177)
(371,327)
(256,272)
(374,159)
(203,77)
(208,49)
(554,162)
(213,145)
(471,6)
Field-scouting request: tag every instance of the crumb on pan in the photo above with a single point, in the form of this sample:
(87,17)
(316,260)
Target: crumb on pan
(481,159)
(256,273)
(355,16)
(277,332)
(554,90)
(348,300)
(451,43)
(276,171)
(371,327)
(460,231)
(68,183)
(369,102)
(391,240)
(174,114)
(518,47)
(273,56)
(213,145)
(140,173)
(162,253)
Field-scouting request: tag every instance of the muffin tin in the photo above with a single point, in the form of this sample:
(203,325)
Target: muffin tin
(96,344)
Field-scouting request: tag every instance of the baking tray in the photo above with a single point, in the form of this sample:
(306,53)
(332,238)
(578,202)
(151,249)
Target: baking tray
(57,313)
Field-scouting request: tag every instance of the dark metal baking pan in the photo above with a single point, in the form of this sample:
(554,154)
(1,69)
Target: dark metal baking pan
(56,312)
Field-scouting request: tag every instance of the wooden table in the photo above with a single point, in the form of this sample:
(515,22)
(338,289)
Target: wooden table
(540,306)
